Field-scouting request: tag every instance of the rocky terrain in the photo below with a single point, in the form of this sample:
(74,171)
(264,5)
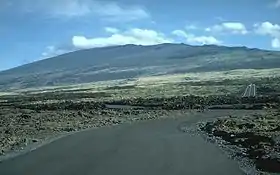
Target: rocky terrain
(32,118)
(21,127)
(255,137)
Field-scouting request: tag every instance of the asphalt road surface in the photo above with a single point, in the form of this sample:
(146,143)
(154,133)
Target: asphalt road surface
(250,91)
(148,148)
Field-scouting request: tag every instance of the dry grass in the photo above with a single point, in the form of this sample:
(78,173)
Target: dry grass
(165,85)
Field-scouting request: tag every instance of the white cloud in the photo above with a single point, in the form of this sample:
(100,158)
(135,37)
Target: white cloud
(192,39)
(203,40)
(181,33)
(269,29)
(228,27)
(111,30)
(106,10)
(275,43)
(132,36)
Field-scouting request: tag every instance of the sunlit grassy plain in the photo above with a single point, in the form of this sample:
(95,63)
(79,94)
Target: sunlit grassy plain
(205,83)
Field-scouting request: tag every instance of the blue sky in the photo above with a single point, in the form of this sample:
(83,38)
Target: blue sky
(31,30)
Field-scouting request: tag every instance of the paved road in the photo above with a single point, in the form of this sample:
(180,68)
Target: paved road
(250,91)
(150,148)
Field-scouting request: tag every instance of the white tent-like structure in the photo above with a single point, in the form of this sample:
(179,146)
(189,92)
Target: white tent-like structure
(250,91)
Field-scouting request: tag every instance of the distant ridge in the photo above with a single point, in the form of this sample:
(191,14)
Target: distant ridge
(129,61)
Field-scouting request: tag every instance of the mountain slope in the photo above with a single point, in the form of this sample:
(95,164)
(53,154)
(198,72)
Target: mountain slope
(130,61)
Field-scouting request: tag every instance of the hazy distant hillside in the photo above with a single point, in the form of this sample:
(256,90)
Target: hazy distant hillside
(130,61)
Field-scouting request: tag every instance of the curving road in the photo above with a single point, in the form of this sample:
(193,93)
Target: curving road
(150,148)
(250,91)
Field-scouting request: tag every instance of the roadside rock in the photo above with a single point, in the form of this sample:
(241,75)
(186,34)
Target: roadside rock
(268,164)
(256,136)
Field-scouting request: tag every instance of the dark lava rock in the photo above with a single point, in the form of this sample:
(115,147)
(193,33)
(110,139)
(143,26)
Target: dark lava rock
(268,164)
(253,137)
(2,152)
(68,129)
(8,131)
(229,137)
(25,116)
(103,112)
(80,113)
(208,127)
(255,153)
(255,140)
(34,140)
(246,125)
(276,129)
